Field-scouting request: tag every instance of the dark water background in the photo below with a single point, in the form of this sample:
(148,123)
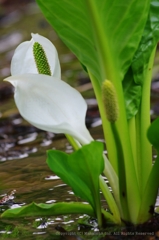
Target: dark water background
(23,147)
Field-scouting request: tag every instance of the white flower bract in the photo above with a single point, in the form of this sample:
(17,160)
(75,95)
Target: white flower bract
(23,60)
(45,101)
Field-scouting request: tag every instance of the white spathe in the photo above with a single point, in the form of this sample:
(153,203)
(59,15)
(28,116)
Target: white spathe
(45,101)
(23,58)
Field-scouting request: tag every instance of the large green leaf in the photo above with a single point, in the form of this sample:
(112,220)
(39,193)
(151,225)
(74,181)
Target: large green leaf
(149,40)
(104,35)
(80,170)
(137,73)
(54,209)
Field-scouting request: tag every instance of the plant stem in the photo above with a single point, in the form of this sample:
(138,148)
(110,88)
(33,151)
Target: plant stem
(134,146)
(143,116)
(122,176)
(110,200)
(110,142)
(108,216)
(73,142)
(138,151)
(132,187)
(98,211)
(110,70)
(150,193)
(113,181)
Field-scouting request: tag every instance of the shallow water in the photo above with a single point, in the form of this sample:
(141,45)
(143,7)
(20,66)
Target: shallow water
(23,147)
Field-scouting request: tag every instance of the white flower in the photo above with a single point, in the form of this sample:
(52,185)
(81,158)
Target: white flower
(23,60)
(45,101)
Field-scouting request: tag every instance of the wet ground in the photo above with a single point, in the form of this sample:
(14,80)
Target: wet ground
(23,147)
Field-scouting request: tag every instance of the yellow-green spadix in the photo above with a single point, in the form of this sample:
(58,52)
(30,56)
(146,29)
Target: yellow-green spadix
(110,101)
(45,101)
(41,60)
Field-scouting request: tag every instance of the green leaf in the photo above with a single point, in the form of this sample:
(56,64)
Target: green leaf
(103,35)
(80,170)
(54,209)
(149,40)
(139,67)
(141,58)
(153,134)
(132,94)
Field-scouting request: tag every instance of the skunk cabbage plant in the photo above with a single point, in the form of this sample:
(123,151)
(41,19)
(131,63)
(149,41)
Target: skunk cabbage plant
(116,44)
